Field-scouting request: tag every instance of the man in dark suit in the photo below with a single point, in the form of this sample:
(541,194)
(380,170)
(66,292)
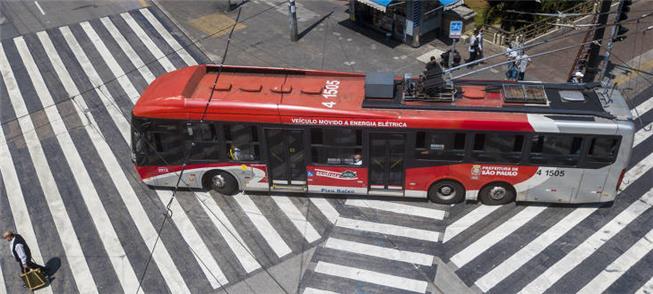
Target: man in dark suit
(21,252)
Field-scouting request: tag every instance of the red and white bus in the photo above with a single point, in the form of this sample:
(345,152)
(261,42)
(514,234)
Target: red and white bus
(274,129)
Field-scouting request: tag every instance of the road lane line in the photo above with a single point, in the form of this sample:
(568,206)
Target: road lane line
(39,7)
(154,49)
(309,290)
(388,229)
(368,276)
(590,245)
(297,218)
(620,265)
(108,58)
(532,249)
(380,252)
(70,243)
(467,221)
(325,208)
(228,232)
(435,214)
(161,257)
(168,37)
(264,227)
(127,48)
(499,233)
(97,211)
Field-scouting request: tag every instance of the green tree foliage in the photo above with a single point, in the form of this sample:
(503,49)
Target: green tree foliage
(497,11)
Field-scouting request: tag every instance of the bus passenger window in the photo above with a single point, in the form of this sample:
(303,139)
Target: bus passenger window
(440,146)
(603,149)
(498,148)
(335,146)
(242,142)
(556,150)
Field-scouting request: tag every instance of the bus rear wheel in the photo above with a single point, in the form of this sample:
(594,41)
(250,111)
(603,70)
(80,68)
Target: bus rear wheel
(446,192)
(221,182)
(497,194)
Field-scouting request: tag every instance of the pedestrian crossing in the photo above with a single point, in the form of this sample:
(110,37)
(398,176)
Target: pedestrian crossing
(68,183)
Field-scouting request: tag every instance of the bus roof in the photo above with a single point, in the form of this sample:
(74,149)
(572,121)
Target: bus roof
(310,97)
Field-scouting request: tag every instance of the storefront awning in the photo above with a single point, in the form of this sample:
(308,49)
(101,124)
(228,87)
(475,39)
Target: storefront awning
(377,4)
(447,2)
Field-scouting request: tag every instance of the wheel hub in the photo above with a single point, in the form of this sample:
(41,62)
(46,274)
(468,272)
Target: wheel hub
(446,190)
(498,193)
(218,181)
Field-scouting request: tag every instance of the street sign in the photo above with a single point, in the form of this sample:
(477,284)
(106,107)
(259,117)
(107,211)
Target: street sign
(455,29)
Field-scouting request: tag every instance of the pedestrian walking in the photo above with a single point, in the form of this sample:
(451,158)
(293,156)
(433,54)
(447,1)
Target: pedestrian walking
(578,77)
(21,252)
(479,40)
(511,67)
(523,61)
(432,64)
(473,48)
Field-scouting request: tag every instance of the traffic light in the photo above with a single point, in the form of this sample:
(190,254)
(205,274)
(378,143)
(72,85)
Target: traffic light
(622,15)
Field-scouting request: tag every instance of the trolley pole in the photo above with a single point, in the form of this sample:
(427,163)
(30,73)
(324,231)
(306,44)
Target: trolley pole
(293,20)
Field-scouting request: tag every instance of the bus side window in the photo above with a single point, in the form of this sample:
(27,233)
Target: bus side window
(242,142)
(440,146)
(603,149)
(556,150)
(206,137)
(336,146)
(497,147)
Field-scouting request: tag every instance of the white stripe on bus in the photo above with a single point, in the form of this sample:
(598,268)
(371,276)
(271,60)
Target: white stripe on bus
(161,257)
(297,218)
(99,216)
(73,250)
(398,208)
(228,232)
(264,227)
(102,92)
(127,48)
(325,208)
(499,233)
(108,58)
(156,52)
(467,221)
(168,37)
(532,249)
(590,245)
(373,277)
(620,265)
(388,229)
(380,252)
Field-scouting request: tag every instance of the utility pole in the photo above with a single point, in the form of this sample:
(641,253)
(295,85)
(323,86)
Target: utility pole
(293,20)
(594,59)
(618,32)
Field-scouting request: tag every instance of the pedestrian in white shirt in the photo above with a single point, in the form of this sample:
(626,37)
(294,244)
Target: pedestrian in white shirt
(473,48)
(522,63)
(21,252)
(479,40)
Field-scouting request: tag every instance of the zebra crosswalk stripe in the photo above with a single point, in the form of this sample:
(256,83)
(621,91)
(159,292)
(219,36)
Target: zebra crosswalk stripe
(371,277)
(467,221)
(643,108)
(521,257)
(590,245)
(136,211)
(647,288)
(145,38)
(74,254)
(309,290)
(81,176)
(620,265)
(325,208)
(499,233)
(380,252)
(228,232)
(264,227)
(397,208)
(388,229)
(127,48)
(297,218)
(168,37)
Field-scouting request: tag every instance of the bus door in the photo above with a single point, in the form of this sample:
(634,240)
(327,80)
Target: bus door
(286,164)
(386,164)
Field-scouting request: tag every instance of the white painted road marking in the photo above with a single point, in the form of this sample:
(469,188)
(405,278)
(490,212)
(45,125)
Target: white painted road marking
(388,229)
(467,221)
(499,233)
(168,37)
(39,7)
(262,224)
(297,218)
(380,252)
(362,275)
(398,208)
(326,208)
(156,52)
(129,51)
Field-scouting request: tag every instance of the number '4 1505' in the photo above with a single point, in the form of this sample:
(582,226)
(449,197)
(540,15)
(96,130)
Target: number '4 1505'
(552,172)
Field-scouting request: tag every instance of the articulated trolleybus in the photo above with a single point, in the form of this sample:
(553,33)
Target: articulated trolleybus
(274,129)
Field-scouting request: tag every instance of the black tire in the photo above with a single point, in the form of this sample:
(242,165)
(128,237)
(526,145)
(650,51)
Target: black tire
(497,193)
(446,192)
(221,182)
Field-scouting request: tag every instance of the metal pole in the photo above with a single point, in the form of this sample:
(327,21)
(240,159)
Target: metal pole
(615,28)
(293,20)
(451,53)
(592,68)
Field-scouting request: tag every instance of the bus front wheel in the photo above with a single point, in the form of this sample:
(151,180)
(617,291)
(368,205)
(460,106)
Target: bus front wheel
(447,192)
(221,182)
(497,194)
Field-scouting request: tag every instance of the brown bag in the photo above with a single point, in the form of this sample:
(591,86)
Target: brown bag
(34,279)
